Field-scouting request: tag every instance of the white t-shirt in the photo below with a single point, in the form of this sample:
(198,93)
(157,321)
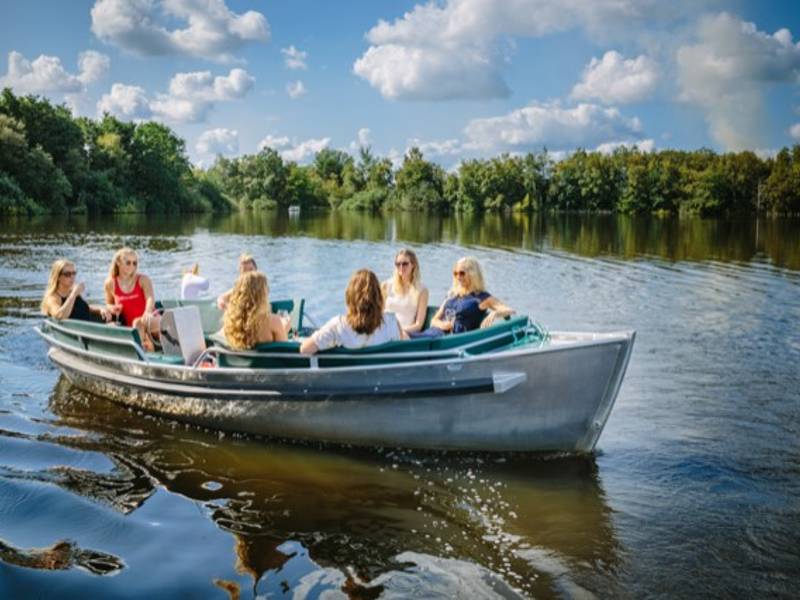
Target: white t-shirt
(403,306)
(193,286)
(337,332)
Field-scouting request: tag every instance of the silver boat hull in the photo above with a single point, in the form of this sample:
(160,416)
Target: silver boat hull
(552,398)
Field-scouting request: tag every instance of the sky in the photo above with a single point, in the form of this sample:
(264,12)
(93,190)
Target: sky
(460,79)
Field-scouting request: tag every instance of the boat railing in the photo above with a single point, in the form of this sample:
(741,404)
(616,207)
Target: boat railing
(82,335)
(517,334)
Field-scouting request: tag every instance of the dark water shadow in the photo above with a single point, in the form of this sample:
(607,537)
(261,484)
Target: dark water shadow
(366,517)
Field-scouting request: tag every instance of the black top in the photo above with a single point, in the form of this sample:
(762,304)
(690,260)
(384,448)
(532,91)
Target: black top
(81,311)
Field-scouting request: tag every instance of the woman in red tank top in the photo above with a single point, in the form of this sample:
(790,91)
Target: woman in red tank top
(129,295)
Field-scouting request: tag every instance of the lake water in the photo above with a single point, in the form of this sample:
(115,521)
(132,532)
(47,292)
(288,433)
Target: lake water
(694,490)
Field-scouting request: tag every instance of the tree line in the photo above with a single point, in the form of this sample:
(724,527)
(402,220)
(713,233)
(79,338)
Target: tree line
(52,162)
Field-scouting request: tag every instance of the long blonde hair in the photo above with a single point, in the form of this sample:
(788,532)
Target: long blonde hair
(52,281)
(415,281)
(113,270)
(473,269)
(364,301)
(247,308)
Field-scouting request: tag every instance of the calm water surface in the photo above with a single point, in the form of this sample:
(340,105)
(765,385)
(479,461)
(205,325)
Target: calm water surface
(694,490)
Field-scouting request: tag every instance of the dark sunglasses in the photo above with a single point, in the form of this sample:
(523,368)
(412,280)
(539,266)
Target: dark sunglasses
(402,263)
(69,273)
(128,263)
(459,273)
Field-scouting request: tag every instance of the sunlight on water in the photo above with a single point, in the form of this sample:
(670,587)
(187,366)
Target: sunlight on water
(692,492)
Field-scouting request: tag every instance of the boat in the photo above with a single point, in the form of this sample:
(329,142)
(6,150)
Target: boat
(511,386)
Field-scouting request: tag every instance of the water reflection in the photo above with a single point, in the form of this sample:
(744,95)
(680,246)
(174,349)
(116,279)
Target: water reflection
(361,521)
(671,238)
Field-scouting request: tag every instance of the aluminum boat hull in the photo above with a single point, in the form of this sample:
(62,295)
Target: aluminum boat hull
(554,397)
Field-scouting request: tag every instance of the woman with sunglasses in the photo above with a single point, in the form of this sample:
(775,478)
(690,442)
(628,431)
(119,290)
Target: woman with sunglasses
(468,302)
(63,297)
(129,295)
(404,293)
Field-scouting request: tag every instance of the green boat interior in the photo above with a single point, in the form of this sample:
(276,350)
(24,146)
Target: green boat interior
(124,342)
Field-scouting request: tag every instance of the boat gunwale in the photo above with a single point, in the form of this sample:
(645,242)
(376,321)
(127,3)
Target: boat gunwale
(596,339)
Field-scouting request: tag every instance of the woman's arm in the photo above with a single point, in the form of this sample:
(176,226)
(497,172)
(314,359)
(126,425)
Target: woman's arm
(440,323)
(492,303)
(147,288)
(422,311)
(104,313)
(222,300)
(58,310)
(309,346)
(108,289)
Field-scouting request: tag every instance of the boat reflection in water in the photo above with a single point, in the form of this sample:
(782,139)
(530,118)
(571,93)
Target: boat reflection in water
(363,522)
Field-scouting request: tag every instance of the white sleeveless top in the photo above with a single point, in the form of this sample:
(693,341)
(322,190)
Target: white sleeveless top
(403,306)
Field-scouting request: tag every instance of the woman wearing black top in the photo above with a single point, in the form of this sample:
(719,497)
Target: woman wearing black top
(63,300)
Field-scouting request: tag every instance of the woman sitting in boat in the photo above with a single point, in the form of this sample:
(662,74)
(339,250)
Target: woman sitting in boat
(365,323)
(404,294)
(248,319)
(129,295)
(63,298)
(193,285)
(246,264)
(467,304)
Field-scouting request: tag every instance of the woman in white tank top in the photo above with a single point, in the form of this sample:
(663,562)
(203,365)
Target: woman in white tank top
(405,295)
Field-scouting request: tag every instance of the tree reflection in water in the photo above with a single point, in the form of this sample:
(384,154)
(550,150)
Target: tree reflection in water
(360,521)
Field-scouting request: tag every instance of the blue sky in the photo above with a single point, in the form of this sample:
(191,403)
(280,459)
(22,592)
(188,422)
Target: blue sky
(459,78)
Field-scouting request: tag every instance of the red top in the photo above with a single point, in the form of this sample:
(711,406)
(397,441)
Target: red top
(133,302)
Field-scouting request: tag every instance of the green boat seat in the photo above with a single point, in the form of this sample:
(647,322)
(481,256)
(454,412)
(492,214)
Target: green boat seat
(211,315)
(117,341)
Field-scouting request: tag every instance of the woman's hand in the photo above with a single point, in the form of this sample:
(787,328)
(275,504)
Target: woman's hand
(105,314)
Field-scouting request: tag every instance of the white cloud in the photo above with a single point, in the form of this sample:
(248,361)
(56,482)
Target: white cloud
(551,125)
(306,149)
(794,131)
(362,140)
(294,58)
(363,137)
(457,48)
(727,72)
(615,80)
(296,89)
(646,145)
(127,101)
(93,66)
(429,73)
(46,74)
(451,147)
(190,97)
(212,30)
(274,142)
(218,141)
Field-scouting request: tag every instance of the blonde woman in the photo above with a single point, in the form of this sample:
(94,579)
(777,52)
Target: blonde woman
(468,302)
(63,297)
(364,324)
(404,294)
(246,264)
(248,320)
(129,295)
